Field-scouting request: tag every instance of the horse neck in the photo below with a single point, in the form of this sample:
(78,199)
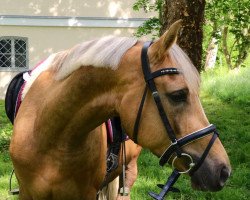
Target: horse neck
(78,104)
(94,95)
(87,98)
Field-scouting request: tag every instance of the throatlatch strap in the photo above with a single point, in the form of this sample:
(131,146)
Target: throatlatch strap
(138,117)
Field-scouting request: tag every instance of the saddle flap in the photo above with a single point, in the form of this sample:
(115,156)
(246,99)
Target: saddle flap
(12,95)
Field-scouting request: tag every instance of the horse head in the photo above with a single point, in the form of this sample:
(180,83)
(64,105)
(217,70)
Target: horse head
(160,109)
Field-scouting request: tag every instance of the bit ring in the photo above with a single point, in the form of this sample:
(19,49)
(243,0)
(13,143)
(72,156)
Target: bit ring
(191,163)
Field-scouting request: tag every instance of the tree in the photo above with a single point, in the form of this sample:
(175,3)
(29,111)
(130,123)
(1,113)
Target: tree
(192,13)
(225,21)
(229,21)
(190,38)
(153,25)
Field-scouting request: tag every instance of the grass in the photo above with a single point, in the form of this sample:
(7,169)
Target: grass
(5,162)
(230,87)
(225,98)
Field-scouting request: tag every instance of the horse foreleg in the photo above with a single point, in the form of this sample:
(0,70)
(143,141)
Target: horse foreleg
(111,191)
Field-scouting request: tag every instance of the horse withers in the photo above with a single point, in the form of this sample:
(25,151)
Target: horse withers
(58,147)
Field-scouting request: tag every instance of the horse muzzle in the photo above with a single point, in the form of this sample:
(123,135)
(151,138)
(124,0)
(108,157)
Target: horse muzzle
(211,176)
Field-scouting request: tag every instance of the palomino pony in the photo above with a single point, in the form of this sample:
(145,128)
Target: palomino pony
(57,149)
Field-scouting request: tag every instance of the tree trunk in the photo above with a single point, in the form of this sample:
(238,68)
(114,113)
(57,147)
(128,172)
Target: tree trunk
(192,14)
(228,54)
(225,48)
(211,54)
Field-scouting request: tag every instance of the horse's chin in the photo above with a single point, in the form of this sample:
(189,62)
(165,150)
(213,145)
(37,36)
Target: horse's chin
(206,179)
(204,187)
(200,187)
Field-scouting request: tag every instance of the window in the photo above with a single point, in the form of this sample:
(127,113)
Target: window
(13,53)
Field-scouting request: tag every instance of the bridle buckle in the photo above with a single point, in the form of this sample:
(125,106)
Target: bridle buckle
(173,143)
(155,94)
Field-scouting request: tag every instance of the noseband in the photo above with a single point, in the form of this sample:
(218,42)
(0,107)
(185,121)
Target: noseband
(174,151)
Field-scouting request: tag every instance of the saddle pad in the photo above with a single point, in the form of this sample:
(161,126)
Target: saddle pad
(115,132)
(12,95)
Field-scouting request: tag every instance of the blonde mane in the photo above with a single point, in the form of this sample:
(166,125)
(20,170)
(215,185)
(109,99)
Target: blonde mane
(103,52)
(189,71)
(108,51)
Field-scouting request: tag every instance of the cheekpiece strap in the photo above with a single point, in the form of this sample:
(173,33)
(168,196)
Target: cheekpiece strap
(138,117)
(149,78)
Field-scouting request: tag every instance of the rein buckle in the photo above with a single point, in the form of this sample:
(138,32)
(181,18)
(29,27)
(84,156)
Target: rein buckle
(155,94)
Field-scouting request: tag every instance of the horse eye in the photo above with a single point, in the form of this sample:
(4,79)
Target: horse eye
(178,96)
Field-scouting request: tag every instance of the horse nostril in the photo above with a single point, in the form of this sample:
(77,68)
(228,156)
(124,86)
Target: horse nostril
(224,174)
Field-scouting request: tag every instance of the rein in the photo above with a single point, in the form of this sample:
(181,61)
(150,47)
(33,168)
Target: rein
(176,144)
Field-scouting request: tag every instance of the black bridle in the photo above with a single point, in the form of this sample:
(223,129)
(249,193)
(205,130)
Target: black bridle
(176,144)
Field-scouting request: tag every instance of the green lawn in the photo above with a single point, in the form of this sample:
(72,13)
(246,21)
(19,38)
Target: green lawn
(225,98)
(5,163)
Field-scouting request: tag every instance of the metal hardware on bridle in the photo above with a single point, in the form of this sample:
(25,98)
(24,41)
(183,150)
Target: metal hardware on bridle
(176,144)
(191,163)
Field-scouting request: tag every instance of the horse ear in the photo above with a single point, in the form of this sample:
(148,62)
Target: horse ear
(170,36)
(158,49)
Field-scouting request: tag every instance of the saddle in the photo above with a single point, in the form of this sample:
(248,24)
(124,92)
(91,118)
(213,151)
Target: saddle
(116,136)
(13,96)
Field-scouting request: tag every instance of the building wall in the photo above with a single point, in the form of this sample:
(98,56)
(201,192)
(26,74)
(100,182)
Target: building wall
(78,8)
(54,25)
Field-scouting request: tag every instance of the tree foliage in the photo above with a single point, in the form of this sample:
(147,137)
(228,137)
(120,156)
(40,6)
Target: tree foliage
(230,25)
(190,36)
(228,20)
(152,25)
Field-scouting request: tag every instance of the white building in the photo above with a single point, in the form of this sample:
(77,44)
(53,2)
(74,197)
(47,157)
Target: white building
(31,30)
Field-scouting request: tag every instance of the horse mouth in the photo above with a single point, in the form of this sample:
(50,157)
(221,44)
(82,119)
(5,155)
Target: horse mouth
(205,187)
(210,178)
